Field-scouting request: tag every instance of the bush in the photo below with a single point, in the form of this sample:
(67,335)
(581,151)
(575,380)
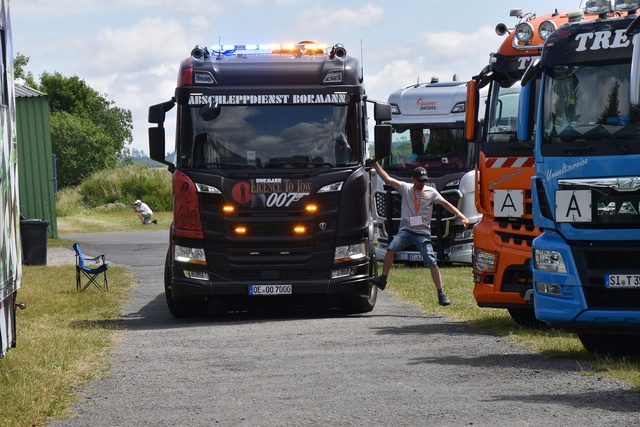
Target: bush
(119,188)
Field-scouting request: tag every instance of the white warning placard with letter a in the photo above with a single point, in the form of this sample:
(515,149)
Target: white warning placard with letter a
(573,206)
(508,203)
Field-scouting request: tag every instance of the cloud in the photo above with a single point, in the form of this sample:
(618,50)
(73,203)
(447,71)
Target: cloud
(394,75)
(148,42)
(320,18)
(465,53)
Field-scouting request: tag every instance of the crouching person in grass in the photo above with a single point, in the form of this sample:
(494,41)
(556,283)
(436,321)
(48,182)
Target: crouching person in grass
(144,212)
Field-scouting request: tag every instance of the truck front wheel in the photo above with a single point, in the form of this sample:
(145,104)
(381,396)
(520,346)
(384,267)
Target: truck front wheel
(181,307)
(621,344)
(363,305)
(525,317)
(359,305)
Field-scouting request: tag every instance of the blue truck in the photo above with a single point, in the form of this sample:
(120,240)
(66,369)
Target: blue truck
(586,188)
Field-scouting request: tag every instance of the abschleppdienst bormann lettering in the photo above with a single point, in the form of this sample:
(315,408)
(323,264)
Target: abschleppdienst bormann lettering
(316,98)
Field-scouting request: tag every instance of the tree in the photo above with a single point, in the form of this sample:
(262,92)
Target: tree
(80,148)
(88,133)
(19,64)
(611,111)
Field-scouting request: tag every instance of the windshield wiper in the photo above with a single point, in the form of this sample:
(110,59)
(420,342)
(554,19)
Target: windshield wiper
(301,165)
(620,142)
(523,146)
(572,149)
(594,136)
(225,165)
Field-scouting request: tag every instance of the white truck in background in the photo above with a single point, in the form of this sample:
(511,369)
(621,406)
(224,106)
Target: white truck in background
(428,122)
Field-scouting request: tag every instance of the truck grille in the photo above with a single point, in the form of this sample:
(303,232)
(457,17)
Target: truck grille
(517,233)
(256,275)
(610,208)
(595,259)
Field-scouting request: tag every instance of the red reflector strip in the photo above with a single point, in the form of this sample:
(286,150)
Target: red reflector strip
(510,162)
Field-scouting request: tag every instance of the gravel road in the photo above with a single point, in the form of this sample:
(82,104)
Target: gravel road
(395,366)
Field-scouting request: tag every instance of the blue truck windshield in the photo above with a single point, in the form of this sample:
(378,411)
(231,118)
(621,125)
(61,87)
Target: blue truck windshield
(270,136)
(590,105)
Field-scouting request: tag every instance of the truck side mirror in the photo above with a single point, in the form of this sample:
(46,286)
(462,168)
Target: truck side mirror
(531,72)
(157,115)
(382,134)
(634,82)
(526,111)
(157,112)
(157,144)
(381,112)
(471,111)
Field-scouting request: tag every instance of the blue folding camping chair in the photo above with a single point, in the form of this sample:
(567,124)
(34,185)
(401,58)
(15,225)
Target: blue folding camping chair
(91,273)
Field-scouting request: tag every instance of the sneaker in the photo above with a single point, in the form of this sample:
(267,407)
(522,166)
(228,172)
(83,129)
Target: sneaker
(442,299)
(380,282)
(155,221)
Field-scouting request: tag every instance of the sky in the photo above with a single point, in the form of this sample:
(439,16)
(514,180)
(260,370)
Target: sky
(129,50)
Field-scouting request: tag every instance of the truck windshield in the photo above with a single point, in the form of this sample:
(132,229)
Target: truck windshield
(440,151)
(269,136)
(589,103)
(503,114)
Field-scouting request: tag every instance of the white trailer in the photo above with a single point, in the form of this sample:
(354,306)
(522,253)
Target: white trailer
(10,245)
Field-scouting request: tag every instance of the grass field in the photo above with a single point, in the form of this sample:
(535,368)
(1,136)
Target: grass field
(63,340)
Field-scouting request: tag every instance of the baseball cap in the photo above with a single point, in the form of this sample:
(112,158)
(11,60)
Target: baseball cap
(420,174)
(137,202)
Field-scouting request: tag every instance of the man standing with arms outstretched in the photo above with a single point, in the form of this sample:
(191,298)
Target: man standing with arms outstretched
(415,224)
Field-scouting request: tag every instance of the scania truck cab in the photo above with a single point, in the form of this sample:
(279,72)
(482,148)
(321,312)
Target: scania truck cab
(271,191)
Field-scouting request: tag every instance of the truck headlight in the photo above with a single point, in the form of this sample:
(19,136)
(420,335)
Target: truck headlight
(484,261)
(464,235)
(545,29)
(189,255)
(546,260)
(350,252)
(524,32)
(336,186)
(548,288)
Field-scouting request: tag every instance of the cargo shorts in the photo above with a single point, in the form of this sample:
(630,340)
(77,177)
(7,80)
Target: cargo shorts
(405,238)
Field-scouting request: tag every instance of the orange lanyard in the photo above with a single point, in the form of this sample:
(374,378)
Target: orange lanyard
(417,202)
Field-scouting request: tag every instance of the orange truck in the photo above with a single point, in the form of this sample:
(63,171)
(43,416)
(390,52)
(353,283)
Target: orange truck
(502,239)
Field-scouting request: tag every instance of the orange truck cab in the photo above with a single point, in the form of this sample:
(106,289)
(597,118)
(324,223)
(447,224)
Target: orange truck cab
(502,239)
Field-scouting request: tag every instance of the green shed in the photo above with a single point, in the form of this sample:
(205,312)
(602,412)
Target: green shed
(35,160)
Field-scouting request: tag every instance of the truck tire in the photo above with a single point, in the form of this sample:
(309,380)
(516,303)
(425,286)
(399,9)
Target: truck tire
(619,344)
(360,305)
(525,317)
(181,307)
(364,305)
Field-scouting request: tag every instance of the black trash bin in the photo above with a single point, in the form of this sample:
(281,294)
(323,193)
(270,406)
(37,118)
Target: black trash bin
(34,241)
